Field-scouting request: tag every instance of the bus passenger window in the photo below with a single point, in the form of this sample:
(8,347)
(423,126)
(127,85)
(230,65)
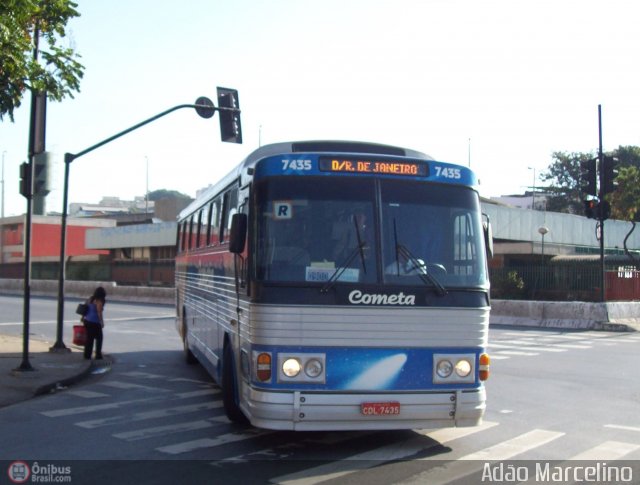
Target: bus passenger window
(207,221)
(198,231)
(191,235)
(230,207)
(214,224)
(204,226)
(180,237)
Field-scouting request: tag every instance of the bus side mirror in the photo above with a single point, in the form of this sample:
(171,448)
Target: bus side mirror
(238,233)
(488,236)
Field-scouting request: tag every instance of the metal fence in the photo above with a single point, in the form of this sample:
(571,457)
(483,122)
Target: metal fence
(576,282)
(129,273)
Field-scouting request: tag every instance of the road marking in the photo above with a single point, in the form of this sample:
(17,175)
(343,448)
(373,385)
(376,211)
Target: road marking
(516,352)
(474,462)
(573,346)
(515,446)
(626,428)
(369,459)
(131,385)
(447,435)
(203,392)
(95,408)
(160,413)
(158,431)
(87,394)
(199,444)
(609,450)
(146,375)
(533,349)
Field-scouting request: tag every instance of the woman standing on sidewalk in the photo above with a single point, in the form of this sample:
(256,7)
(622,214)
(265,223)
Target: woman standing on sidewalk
(94,322)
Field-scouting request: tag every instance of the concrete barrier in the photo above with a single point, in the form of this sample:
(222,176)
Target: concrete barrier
(83,289)
(613,316)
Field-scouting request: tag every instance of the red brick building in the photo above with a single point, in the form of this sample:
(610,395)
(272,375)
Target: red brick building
(45,238)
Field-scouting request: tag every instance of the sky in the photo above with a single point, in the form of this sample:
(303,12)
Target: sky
(499,85)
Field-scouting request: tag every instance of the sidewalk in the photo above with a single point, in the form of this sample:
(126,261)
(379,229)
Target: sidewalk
(52,370)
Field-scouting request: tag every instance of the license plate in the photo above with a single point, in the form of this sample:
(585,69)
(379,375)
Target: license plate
(380,408)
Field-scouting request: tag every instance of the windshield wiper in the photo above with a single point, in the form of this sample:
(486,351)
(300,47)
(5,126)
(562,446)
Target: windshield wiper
(419,265)
(421,268)
(359,249)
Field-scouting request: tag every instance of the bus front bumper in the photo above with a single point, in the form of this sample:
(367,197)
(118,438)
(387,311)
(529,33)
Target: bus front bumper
(311,411)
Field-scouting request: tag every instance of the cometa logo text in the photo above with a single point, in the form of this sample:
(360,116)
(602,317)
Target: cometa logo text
(357,297)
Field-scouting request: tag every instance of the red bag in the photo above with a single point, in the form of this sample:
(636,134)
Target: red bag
(79,335)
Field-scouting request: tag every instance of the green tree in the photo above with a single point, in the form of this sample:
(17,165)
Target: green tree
(625,201)
(58,74)
(165,194)
(564,177)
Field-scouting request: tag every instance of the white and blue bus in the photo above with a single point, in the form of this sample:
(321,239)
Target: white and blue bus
(331,285)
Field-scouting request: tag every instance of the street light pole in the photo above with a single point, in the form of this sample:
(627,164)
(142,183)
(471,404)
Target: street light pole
(533,189)
(2,214)
(205,109)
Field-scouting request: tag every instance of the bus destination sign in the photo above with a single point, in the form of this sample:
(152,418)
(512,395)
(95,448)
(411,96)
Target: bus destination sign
(382,167)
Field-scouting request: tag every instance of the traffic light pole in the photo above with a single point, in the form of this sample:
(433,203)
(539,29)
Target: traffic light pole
(205,109)
(601,195)
(36,145)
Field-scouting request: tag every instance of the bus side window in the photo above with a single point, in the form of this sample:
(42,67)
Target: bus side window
(230,207)
(191,235)
(198,242)
(185,235)
(207,223)
(214,229)
(465,252)
(204,226)
(179,235)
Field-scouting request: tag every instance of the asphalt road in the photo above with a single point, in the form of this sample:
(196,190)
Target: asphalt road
(553,396)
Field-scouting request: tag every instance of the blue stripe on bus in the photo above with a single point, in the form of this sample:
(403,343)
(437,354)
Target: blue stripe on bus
(370,369)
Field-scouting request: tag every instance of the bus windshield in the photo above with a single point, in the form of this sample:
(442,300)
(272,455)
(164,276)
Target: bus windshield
(363,230)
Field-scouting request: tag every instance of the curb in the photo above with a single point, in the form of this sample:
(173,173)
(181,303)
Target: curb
(70,381)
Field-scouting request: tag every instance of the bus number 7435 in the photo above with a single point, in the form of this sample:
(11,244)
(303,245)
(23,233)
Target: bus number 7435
(296,164)
(447,172)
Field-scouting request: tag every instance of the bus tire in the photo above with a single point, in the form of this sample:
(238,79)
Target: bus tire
(230,388)
(188,355)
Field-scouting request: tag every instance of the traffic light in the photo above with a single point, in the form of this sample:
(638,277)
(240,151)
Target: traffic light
(591,208)
(609,174)
(588,177)
(25,179)
(41,172)
(230,127)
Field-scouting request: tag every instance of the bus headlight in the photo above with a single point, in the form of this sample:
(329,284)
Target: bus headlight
(313,368)
(444,369)
(291,367)
(463,368)
(454,368)
(300,367)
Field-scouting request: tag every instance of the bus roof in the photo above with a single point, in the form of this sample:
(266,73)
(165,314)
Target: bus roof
(310,146)
(328,146)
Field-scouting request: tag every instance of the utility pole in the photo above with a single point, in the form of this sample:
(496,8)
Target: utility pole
(36,145)
(601,197)
(2,216)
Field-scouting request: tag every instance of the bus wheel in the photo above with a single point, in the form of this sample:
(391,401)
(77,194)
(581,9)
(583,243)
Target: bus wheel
(188,355)
(230,389)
